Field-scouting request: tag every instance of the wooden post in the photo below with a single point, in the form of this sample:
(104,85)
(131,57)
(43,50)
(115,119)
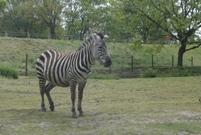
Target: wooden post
(6,34)
(26,65)
(110,70)
(132,63)
(28,35)
(49,36)
(172,61)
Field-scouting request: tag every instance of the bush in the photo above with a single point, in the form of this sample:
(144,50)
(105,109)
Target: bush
(148,73)
(9,72)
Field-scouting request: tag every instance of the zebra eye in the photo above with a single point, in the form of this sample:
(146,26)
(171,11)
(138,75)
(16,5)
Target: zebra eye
(100,47)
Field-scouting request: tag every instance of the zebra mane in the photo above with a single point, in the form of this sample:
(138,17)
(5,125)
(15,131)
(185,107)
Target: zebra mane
(100,34)
(89,39)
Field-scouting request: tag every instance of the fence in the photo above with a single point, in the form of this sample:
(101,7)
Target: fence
(120,63)
(49,36)
(129,65)
(34,35)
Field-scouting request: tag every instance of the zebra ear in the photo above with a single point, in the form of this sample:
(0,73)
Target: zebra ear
(105,37)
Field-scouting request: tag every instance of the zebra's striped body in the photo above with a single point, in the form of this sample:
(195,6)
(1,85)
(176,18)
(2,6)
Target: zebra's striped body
(69,70)
(59,69)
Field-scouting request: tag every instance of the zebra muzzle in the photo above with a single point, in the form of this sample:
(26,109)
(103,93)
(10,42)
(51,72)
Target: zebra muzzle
(107,62)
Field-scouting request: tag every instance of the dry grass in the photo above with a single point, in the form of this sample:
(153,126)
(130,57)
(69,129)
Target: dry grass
(124,106)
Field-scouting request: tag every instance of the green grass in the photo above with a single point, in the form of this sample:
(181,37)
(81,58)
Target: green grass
(14,50)
(124,106)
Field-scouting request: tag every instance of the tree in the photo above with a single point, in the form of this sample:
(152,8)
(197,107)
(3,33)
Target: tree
(179,18)
(3,4)
(116,23)
(81,16)
(49,12)
(14,17)
(71,15)
(141,27)
(19,17)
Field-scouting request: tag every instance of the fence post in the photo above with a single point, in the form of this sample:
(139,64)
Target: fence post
(191,61)
(110,70)
(172,61)
(28,35)
(26,65)
(152,60)
(132,63)
(6,34)
(49,36)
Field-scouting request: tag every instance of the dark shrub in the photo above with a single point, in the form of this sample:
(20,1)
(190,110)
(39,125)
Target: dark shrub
(9,72)
(148,73)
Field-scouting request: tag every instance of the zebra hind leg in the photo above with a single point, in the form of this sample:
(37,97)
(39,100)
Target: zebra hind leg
(42,92)
(80,96)
(48,87)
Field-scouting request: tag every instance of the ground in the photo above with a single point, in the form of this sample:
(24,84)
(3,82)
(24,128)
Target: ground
(124,106)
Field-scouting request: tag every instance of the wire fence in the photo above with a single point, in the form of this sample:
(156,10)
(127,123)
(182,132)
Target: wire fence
(35,35)
(120,64)
(49,36)
(129,64)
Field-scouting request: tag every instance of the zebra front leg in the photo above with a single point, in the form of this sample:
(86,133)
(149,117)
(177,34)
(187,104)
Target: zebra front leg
(73,96)
(80,96)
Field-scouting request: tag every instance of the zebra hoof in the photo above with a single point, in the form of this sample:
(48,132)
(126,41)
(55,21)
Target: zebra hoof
(81,114)
(74,115)
(43,109)
(52,108)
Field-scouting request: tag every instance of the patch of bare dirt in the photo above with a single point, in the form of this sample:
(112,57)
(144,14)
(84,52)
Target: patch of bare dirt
(134,74)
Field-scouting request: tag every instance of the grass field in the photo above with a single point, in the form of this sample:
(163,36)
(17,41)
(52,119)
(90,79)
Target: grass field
(14,50)
(124,106)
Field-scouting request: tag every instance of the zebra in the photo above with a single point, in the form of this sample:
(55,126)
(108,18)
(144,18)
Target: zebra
(64,70)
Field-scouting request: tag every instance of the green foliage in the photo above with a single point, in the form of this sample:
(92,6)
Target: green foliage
(3,4)
(150,49)
(9,72)
(136,45)
(139,26)
(167,16)
(148,73)
(86,15)
(50,13)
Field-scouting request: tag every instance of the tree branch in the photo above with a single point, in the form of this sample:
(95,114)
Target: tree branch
(194,47)
(151,19)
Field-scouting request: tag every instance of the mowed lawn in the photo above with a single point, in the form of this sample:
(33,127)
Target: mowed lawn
(124,106)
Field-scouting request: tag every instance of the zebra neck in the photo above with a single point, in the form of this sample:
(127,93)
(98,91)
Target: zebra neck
(86,43)
(86,58)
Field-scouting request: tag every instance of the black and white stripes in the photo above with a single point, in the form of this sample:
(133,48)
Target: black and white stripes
(69,70)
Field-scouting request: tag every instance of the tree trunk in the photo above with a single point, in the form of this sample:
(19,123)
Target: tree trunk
(181,52)
(52,31)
